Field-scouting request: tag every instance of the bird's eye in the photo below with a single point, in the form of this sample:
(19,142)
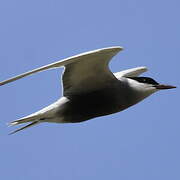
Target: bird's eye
(146,80)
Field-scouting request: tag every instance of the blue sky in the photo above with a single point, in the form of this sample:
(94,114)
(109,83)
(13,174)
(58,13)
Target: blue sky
(139,143)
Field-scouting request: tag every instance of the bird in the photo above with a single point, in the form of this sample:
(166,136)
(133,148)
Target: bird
(90,89)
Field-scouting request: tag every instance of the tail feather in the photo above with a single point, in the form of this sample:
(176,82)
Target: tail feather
(32,119)
(26,119)
(40,116)
(24,127)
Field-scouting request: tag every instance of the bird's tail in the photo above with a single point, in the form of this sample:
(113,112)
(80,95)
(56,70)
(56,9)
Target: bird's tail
(44,115)
(33,119)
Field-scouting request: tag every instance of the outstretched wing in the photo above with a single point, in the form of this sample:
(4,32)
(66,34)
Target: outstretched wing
(133,72)
(84,72)
(89,71)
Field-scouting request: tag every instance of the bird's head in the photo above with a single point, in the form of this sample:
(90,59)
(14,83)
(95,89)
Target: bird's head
(143,86)
(147,84)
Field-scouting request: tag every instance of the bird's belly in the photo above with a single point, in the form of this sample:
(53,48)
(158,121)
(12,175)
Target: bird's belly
(88,106)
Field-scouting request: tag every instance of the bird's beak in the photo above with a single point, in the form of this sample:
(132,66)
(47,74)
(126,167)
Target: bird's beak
(163,86)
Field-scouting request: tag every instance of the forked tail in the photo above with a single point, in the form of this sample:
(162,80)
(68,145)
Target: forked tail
(33,119)
(24,127)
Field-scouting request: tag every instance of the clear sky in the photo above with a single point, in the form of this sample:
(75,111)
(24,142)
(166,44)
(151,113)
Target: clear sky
(141,143)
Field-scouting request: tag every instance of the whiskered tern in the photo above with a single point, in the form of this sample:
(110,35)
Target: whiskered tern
(90,89)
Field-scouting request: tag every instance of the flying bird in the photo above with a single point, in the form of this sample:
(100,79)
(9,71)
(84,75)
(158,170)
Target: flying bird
(90,89)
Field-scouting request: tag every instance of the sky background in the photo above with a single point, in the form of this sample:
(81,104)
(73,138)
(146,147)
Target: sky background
(141,143)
